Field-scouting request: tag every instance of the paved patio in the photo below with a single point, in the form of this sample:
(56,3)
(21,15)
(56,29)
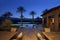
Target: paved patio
(29,34)
(52,35)
(6,35)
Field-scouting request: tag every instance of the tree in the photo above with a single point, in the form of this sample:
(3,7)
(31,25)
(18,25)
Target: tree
(6,23)
(38,20)
(32,13)
(7,14)
(21,10)
(37,17)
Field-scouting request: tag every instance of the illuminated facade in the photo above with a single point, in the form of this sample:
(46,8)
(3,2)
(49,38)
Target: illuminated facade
(51,18)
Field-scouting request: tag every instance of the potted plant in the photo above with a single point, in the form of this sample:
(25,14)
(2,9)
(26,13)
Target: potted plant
(13,29)
(47,29)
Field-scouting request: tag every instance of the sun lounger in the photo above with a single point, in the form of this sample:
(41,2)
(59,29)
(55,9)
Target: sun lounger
(40,37)
(19,36)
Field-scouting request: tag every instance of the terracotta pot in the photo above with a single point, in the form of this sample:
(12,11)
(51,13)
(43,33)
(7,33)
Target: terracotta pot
(13,29)
(47,29)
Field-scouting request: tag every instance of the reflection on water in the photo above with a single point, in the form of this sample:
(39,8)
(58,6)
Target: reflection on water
(26,25)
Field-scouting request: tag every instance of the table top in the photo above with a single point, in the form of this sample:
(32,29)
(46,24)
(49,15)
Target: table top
(5,35)
(52,35)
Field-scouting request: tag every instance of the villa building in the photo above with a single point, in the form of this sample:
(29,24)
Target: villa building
(51,18)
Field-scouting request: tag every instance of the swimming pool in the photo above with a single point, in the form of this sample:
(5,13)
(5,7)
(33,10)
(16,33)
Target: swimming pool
(27,25)
(24,25)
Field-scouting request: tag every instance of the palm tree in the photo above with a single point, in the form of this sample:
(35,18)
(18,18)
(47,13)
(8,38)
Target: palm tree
(32,13)
(7,14)
(21,10)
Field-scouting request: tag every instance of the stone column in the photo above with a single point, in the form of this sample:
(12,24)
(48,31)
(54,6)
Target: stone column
(47,21)
(43,21)
(56,22)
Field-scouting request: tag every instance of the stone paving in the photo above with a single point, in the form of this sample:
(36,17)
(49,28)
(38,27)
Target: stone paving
(30,34)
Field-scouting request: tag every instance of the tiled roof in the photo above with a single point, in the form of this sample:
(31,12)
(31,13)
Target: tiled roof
(50,10)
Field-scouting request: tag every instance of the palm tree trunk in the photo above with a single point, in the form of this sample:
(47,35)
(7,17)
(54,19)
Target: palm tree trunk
(33,20)
(21,19)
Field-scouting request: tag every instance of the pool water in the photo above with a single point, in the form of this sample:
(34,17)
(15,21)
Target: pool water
(26,25)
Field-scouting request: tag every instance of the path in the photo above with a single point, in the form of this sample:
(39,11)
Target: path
(29,34)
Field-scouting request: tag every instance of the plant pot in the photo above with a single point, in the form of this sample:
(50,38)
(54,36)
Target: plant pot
(47,29)
(13,29)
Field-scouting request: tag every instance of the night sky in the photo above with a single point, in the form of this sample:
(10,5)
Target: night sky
(30,5)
